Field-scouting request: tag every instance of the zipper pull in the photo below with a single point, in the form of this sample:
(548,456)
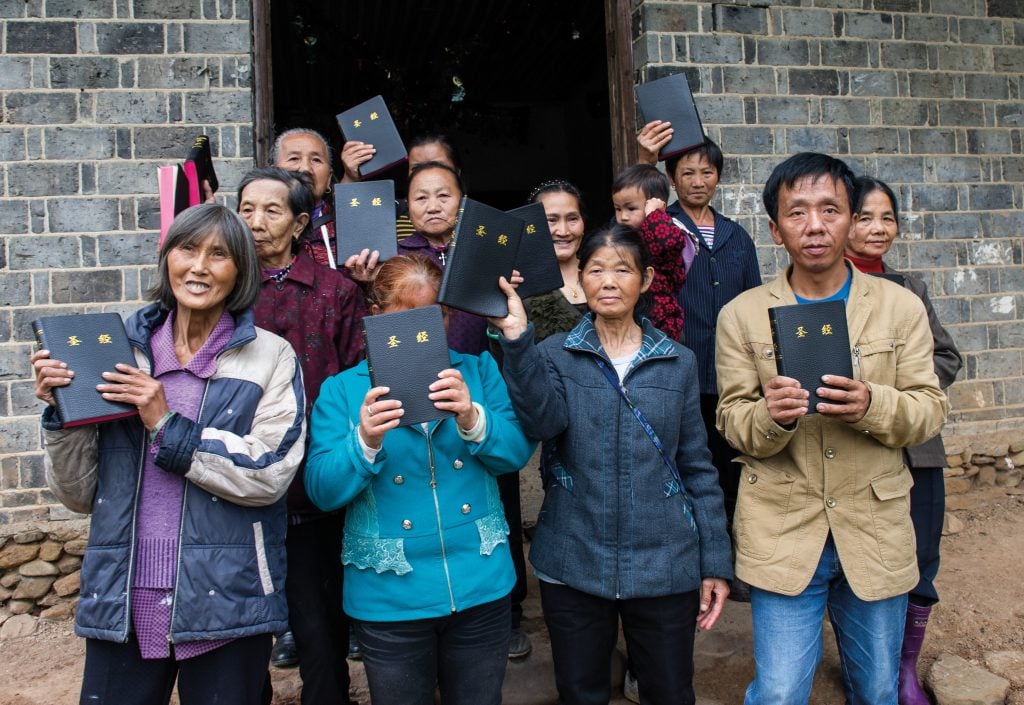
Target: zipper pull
(856,363)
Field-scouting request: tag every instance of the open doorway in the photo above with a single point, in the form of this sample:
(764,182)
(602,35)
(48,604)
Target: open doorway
(521,86)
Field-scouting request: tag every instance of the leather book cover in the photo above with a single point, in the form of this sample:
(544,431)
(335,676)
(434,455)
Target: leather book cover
(201,157)
(364,217)
(811,340)
(405,351)
(536,259)
(670,99)
(484,247)
(371,122)
(90,344)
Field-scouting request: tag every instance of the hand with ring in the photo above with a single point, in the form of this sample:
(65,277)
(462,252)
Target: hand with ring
(378,416)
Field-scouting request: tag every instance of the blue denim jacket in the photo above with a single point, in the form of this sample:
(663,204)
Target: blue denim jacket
(607,527)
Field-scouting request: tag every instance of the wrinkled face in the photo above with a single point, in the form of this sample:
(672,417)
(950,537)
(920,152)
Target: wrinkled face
(202,275)
(434,203)
(695,180)
(874,227)
(307,153)
(629,206)
(612,282)
(813,223)
(264,206)
(429,152)
(565,222)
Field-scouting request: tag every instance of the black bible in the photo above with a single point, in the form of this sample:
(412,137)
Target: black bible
(811,340)
(370,122)
(364,216)
(90,344)
(669,99)
(484,248)
(536,260)
(405,351)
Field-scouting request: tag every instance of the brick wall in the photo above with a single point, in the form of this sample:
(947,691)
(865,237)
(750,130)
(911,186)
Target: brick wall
(925,94)
(94,95)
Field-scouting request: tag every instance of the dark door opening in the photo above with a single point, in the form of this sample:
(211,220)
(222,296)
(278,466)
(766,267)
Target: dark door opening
(520,86)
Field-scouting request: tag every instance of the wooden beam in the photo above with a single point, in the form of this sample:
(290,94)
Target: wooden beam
(621,102)
(263,81)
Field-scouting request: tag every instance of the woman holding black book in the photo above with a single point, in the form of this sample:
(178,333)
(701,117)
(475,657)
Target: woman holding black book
(632,524)
(183,577)
(427,565)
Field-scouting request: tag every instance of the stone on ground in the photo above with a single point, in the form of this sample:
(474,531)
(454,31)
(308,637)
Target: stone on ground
(955,681)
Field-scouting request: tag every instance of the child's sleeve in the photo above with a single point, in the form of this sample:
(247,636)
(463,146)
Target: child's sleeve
(665,241)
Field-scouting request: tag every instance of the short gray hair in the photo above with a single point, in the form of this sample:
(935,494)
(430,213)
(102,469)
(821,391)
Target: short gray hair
(275,150)
(194,225)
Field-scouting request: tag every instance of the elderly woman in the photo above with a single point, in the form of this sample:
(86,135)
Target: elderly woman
(427,565)
(318,311)
(183,576)
(876,224)
(632,524)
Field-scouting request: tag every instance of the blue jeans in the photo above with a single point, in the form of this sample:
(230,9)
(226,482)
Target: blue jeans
(464,654)
(787,639)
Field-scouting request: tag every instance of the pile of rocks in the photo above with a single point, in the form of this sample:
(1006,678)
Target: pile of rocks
(39,573)
(982,462)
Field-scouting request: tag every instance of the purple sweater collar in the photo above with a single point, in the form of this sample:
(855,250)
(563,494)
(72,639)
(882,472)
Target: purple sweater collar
(204,363)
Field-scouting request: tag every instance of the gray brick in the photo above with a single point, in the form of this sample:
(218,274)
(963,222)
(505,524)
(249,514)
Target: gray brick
(842,52)
(41,37)
(873,83)
(12,8)
(12,144)
(659,17)
(149,210)
(748,79)
(24,403)
(15,289)
(869,25)
(929,255)
(1012,168)
(904,55)
(127,107)
(86,286)
(83,72)
(125,249)
(993,365)
(89,215)
(926,28)
(126,177)
(810,139)
(43,179)
(986,86)
(41,108)
(933,141)
(965,281)
(956,169)
(931,84)
(845,111)
(975,31)
(961,113)
(13,216)
(167,9)
(990,196)
(646,50)
(989,141)
(92,9)
(217,38)
(807,23)
(896,5)
(954,7)
(32,252)
(41,287)
(716,109)
(79,143)
(867,140)
(1008,59)
(965,58)
(15,72)
(1005,8)
(934,197)
(783,110)
(219,106)
(740,19)
(949,226)
(782,52)
(747,140)
(130,38)
(813,82)
(21,436)
(1011,115)
(715,49)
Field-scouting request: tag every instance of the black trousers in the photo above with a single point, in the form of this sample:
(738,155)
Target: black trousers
(315,616)
(659,634)
(508,488)
(234,674)
(722,456)
(927,511)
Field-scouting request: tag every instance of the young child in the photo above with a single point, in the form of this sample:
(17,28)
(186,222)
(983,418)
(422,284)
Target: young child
(639,194)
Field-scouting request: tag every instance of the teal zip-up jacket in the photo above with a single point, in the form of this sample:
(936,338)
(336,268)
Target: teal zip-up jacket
(412,551)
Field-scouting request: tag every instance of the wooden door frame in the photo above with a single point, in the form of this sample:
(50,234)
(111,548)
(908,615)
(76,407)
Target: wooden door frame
(621,105)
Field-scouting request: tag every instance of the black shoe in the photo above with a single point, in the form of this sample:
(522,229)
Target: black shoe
(355,652)
(519,645)
(284,653)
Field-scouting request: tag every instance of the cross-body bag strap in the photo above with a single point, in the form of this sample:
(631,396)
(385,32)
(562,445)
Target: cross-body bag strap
(687,501)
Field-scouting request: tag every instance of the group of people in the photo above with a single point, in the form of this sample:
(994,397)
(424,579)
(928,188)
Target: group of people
(266,485)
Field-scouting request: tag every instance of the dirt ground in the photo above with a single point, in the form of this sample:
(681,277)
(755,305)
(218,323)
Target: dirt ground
(982,610)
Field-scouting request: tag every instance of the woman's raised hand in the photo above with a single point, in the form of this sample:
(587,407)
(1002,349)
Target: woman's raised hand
(451,393)
(651,138)
(378,416)
(512,325)
(49,374)
(361,267)
(353,154)
(130,385)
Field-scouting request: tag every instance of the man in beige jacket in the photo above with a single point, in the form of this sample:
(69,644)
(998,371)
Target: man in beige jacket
(823,516)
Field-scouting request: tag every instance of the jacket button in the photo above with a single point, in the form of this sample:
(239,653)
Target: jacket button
(830,453)
(399,480)
(830,503)
(457,464)
(466,508)
(406,524)
(751,478)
